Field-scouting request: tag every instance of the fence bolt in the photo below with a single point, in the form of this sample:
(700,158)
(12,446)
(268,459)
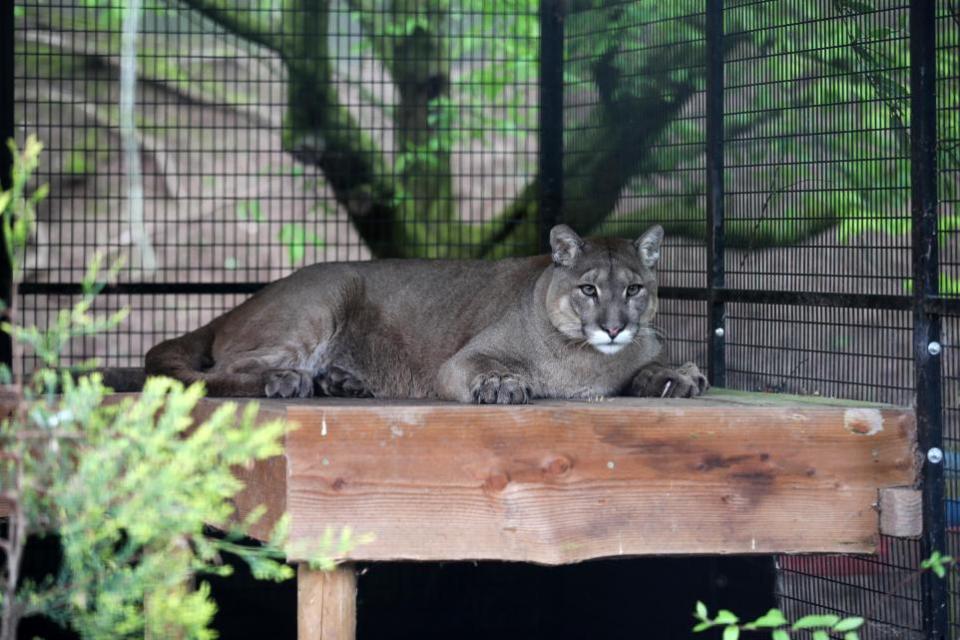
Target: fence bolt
(935,455)
(934,348)
(719,332)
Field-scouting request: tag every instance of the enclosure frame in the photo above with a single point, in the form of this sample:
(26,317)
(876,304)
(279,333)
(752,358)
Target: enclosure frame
(926,303)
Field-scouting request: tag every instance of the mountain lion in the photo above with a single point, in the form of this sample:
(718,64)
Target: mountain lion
(574,324)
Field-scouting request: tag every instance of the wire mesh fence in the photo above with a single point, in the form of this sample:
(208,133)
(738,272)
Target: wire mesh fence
(284,132)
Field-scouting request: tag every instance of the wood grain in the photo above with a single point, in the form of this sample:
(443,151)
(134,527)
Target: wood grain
(901,512)
(265,481)
(560,482)
(326,603)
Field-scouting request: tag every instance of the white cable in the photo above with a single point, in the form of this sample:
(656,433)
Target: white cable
(128,134)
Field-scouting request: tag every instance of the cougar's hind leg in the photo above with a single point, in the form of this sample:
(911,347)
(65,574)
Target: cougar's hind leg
(270,383)
(234,385)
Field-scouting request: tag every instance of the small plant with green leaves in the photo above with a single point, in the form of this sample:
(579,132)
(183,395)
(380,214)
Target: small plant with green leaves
(818,627)
(130,486)
(938,563)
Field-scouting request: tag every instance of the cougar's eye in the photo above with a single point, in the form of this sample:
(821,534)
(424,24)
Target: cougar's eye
(633,290)
(588,290)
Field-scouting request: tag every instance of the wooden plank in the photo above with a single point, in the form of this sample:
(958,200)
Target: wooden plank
(326,603)
(265,481)
(901,512)
(758,399)
(559,482)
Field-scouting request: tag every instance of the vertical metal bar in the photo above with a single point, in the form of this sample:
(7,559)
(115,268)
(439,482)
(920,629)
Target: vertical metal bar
(6,161)
(551,117)
(716,310)
(926,326)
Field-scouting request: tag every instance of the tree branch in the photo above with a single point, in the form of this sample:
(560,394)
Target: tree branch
(683,217)
(191,94)
(246,23)
(612,147)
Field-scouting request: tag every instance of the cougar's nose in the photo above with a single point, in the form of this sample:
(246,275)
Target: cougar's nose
(612,330)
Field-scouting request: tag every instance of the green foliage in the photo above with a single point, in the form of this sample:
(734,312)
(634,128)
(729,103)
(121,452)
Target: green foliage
(296,238)
(249,210)
(18,208)
(129,490)
(948,285)
(817,122)
(71,323)
(820,627)
(834,87)
(129,485)
(938,563)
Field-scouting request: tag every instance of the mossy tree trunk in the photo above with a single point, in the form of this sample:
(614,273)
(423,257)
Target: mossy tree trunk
(403,204)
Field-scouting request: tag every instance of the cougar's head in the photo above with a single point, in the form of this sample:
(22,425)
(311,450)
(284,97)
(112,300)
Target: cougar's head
(603,291)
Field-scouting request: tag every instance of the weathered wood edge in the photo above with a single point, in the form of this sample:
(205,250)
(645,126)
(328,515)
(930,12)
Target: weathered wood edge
(901,512)
(854,423)
(897,506)
(265,481)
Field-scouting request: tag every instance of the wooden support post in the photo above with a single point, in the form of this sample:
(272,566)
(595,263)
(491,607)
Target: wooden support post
(901,512)
(326,603)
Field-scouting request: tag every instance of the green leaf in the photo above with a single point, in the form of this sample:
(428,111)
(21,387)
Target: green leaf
(820,634)
(701,611)
(296,238)
(726,617)
(780,634)
(849,624)
(42,192)
(249,210)
(731,633)
(702,626)
(5,198)
(815,621)
(772,618)
(937,563)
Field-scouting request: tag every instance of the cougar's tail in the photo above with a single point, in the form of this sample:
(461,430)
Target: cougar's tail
(122,379)
(183,358)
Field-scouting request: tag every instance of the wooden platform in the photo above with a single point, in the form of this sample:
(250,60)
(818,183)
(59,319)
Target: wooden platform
(560,482)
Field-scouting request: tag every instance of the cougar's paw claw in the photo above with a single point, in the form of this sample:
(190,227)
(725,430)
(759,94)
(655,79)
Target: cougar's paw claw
(685,381)
(288,383)
(340,383)
(497,388)
(693,372)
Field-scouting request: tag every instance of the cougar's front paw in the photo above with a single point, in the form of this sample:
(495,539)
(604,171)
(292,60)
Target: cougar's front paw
(693,372)
(497,388)
(340,383)
(684,381)
(288,383)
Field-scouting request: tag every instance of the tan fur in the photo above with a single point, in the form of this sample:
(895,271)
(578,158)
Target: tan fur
(472,331)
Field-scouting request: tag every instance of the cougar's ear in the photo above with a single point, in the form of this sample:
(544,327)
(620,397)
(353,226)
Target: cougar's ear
(565,245)
(648,246)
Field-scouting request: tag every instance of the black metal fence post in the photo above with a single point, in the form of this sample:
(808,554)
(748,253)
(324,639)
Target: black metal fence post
(551,117)
(926,328)
(6,161)
(716,308)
